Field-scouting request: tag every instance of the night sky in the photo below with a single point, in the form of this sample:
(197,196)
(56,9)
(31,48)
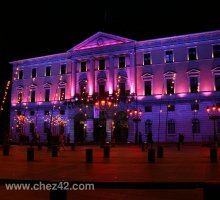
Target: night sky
(35,28)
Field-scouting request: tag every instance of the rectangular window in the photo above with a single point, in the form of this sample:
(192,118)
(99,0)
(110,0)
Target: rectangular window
(170,86)
(63,69)
(19,97)
(101,90)
(83,67)
(48,71)
(192,54)
(32,112)
(216,51)
(102,64)
(169,56)
(194,84)
(62,94)
(62,112)
(122,62)
(170,107)
(147,59)
(171,127)
(195,126)
(147,88)
(33,92)
(20,74)
(122,89)
(217,82)
(47,95)
(148,108)
(46,112)
(34,73)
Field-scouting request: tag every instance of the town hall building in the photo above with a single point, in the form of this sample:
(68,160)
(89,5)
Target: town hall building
(110,88)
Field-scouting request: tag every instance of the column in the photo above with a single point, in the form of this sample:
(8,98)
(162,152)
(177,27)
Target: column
(111,75)
(73,83)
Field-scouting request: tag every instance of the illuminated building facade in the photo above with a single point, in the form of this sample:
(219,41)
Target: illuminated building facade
(92,91)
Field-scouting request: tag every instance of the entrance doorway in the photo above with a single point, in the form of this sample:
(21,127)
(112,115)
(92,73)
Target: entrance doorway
(99,130)
(121,127)
(79,128)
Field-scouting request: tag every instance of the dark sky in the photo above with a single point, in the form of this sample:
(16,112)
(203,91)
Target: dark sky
(34,28)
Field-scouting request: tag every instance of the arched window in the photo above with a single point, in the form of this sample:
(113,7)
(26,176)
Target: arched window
(195,126)
(171,127)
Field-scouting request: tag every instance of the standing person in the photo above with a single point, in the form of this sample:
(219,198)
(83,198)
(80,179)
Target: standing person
(61,141)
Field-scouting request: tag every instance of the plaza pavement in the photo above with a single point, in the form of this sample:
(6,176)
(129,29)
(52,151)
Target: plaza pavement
(127,163)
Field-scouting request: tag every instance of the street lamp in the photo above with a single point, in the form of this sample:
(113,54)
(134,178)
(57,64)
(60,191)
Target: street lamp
(135,115)
(214,113)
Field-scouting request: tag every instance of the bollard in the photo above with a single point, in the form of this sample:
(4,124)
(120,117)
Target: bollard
(30,154)
(213,154)
(151,155)
(6,148)
(159,151)
(211,191)
(89,155)
(58,194)
(143,146)
(54,151)
(106,151)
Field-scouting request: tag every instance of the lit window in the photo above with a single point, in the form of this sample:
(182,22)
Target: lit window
(169,56)
(147,59)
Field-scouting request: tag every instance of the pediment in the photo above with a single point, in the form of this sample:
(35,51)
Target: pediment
(100,39)
(193,71)
(47,85)
(147,76)
(216,70)
(170,74)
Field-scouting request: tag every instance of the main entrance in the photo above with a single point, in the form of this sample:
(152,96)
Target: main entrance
(99,130)
(79,128)
(121,127)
